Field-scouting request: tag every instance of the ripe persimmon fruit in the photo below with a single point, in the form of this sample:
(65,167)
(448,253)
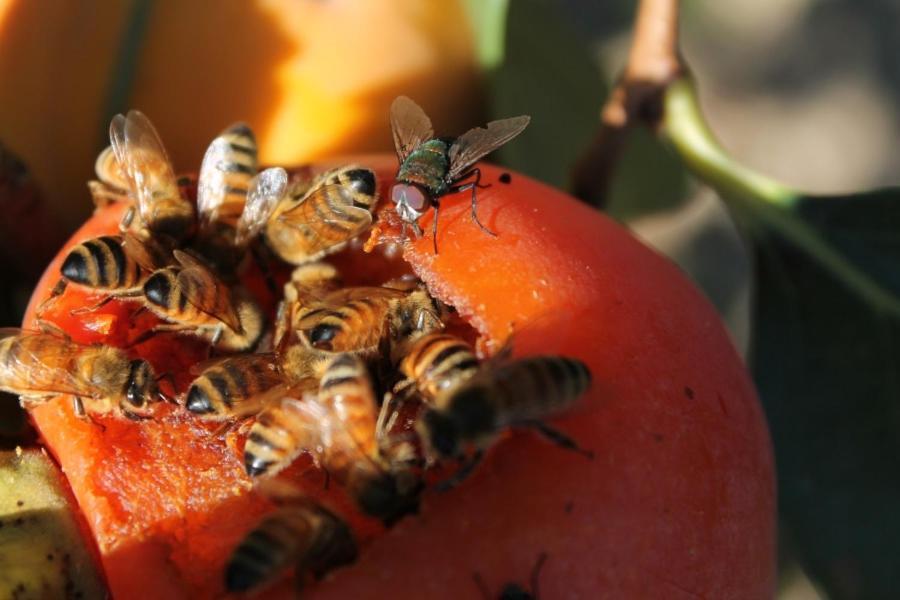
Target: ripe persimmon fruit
(677,502)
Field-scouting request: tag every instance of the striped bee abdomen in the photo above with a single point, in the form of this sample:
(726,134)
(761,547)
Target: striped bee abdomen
(101,263)
(280,434)
(437,361)
(308,537)
(535,387)
(234,387)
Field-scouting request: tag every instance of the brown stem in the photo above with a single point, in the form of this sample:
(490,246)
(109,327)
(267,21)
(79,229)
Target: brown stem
(653,63)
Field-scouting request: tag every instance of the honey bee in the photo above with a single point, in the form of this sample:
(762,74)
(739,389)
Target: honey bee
(228,168)
(306,536)
(102,380)
(143,166)
(432,167)
(356,319)
(233,387)
(195,301)
(436,362)
(520,393)
(338,426)
(308,284)
(116,265)
(312,221)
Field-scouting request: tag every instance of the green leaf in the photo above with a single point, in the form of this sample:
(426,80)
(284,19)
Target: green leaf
(488,18)
(864,227)
(548,72)
(825,360)
(824,356)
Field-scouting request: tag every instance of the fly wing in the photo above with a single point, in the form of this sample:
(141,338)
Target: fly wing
(206,291)
(45,363)
(480,141)
(143,158)
(212,182)
(410,125)
(266,189)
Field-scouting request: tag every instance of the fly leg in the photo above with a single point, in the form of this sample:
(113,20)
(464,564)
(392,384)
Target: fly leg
(557,437)
(437,208)
(473,186)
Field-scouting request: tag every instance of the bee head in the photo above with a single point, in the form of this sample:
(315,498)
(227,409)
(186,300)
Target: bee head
(362,181)
(410,201)
(321,336)
(440,434)
(140,388)
(381,497)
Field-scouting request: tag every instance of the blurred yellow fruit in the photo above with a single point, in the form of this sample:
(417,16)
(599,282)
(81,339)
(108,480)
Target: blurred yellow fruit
(313,77)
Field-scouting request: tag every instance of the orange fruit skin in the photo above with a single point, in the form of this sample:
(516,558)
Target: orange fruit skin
(312,78)
(678,501)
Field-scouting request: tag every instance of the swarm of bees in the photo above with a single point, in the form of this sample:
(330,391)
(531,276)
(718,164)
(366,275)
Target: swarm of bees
(368,381)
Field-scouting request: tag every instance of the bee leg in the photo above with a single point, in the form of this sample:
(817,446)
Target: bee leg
(162,395)
(465,469)
(473,186)
(214,340)
(90,309)
(55,293)
(163,328)
(127,218)
(558,438)
(52,329)
(29,402)
(78,407)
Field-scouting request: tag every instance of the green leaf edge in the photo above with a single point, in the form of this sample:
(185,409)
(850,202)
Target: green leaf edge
(759,201)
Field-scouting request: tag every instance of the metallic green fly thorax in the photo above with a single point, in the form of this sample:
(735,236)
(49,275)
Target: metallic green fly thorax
(427,166)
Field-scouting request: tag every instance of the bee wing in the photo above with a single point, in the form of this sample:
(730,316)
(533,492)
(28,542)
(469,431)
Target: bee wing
(266,189)
(211,184)
(145,253)
(480,141)
(109,170)
(410,126)
(50,372)
(143,159)
(352,220)
(206,291)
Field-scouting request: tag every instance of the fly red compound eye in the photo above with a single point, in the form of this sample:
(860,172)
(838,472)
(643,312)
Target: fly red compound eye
(408,195)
